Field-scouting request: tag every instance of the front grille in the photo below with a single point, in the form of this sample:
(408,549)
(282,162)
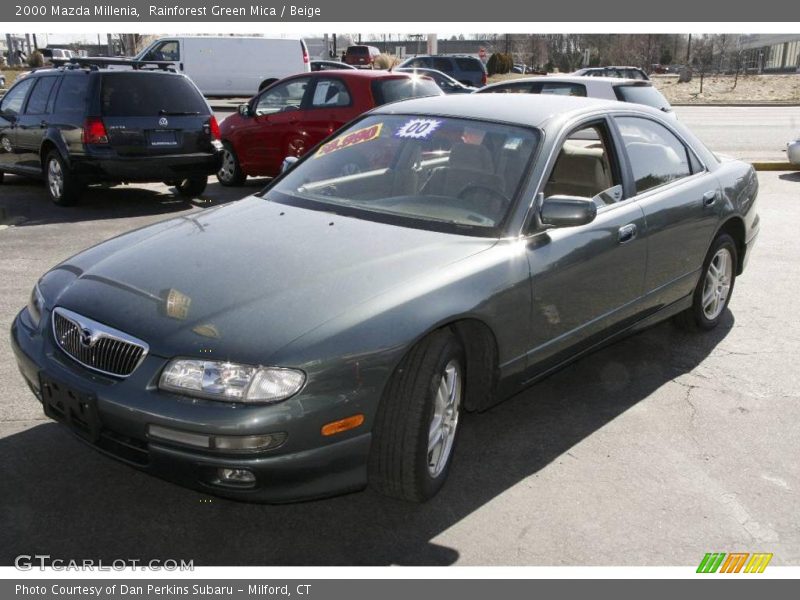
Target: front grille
(95,345)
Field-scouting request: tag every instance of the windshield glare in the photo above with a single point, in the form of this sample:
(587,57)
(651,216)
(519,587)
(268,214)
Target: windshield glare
(431,172)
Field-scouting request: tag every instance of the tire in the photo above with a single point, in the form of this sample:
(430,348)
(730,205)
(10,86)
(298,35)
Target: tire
(403,464)
(62,186)
(230,173)
(715,287)
(192,187)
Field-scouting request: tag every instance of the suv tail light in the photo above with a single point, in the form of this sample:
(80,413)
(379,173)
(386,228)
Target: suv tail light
(214,127)
(94,131)
(305,53)
(484,79)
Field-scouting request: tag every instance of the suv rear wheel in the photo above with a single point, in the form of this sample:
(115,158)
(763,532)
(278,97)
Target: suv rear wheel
(63,187)
(192,187)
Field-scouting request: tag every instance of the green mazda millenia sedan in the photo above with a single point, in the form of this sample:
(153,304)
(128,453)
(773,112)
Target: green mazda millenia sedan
(433,257)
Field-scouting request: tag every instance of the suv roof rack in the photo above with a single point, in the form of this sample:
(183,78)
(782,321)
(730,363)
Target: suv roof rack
(98,62)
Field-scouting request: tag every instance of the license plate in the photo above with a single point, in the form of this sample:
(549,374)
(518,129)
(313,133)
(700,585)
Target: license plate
(76,409)
(163,138)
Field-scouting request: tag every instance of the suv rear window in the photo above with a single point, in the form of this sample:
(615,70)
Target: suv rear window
(390,90)
(642,94)
(469,64)
(149,94)
(358,50)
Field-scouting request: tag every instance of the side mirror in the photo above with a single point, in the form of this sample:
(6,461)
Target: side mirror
(244,110)
(288,163)
(567,211)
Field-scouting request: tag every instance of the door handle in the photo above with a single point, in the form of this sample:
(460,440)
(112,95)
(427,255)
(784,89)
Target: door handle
(709,198)
(626,233)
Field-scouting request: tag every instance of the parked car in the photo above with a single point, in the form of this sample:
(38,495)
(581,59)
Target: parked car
(230,65)
(334,328)
(446,83)
(362,57)
(793,151)
(618,72)
(78,126)
(293,115)
(329,65)
(465,69)
(2,80)
(609,88)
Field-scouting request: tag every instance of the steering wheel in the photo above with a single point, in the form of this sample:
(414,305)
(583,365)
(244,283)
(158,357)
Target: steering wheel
(485,188)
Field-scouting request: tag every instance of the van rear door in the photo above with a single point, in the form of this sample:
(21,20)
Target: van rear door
(149,113)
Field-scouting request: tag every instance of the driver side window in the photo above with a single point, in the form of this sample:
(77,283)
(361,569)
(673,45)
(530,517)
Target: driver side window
(15,98)
(165,51)
(282,96)
(586,167)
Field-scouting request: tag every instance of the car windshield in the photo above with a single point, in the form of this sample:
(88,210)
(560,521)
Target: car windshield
(441,173)
(403,88)
(642,94)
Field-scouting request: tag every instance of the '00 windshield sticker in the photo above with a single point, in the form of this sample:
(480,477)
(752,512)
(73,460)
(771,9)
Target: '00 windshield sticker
(359,136)
(418,129)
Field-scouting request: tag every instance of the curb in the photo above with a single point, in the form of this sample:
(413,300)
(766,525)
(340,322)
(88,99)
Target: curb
(774,165)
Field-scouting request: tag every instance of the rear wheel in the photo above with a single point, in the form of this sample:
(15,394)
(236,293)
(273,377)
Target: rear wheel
(192,187)
(713,291)
(63,187)
(417,422)
(230,173)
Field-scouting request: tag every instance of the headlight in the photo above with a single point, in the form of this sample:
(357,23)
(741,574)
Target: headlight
(229,381)
(36,305)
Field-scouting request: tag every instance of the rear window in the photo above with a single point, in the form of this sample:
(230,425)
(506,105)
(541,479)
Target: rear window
(390,90)
(358,50)
(642,94)
(148,94)
(469,64)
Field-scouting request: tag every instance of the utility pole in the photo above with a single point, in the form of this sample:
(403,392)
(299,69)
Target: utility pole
(689,49)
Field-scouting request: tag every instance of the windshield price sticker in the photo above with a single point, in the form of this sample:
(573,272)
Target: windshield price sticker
(359,136)
(418,129)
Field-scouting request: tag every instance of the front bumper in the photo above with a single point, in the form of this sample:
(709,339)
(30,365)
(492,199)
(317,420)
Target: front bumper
(301,469)
(110,168)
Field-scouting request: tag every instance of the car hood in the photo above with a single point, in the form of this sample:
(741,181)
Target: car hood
(242,281)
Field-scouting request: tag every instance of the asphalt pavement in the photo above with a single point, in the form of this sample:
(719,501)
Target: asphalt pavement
(653,451)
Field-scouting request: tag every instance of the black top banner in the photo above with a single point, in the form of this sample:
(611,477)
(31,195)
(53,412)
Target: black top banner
(452,11)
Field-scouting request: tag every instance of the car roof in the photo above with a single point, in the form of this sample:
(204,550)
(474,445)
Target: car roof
(532,110)
(575,79)
(354,74)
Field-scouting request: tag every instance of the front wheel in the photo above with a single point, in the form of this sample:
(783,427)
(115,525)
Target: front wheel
(713,291)
(417,422)
(192,187)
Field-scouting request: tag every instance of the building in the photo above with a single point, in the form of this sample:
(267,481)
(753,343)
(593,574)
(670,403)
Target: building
(776,53)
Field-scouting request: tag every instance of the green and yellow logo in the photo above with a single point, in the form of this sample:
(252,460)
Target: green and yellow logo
(736,562)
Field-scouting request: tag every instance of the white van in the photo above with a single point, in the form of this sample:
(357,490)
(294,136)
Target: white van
(231,66)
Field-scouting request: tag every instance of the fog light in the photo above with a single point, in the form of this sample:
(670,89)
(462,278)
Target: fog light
(235,476)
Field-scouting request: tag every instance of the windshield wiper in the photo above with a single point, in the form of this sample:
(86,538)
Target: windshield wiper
(177,113)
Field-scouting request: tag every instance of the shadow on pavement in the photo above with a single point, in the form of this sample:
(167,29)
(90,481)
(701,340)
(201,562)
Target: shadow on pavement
(28,199)
(790,176)
(63,499)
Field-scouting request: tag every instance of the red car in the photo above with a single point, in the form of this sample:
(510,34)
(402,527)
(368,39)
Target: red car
(294,114)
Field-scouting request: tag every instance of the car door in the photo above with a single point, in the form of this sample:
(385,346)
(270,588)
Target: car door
(11,108)
(680,200)
(330,106)
(34,122)
(586,280)
(268,135)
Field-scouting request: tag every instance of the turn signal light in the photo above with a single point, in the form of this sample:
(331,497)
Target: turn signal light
(94,131)
(342,425)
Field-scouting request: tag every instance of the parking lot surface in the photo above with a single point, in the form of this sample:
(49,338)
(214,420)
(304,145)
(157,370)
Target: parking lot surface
(653,451)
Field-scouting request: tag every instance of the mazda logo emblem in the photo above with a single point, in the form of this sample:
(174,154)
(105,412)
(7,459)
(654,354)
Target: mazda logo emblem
(163,122)
(86,338)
